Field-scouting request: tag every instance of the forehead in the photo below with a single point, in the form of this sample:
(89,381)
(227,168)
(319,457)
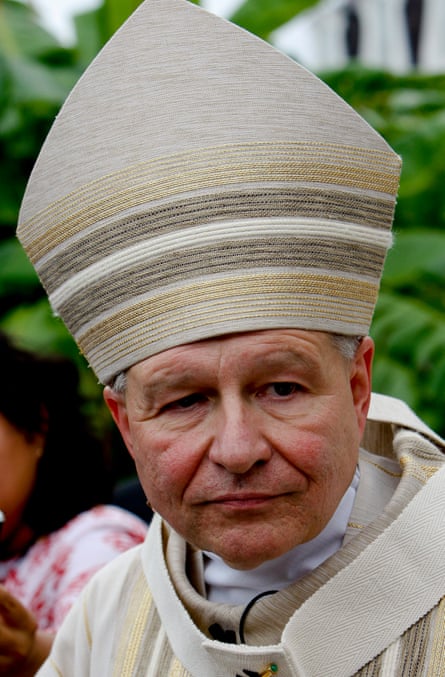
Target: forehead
(237,352)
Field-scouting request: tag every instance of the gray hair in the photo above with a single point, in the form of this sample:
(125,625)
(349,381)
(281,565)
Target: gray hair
(347,346)
(119,383)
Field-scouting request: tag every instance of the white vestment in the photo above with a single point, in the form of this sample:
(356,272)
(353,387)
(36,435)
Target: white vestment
(374,608)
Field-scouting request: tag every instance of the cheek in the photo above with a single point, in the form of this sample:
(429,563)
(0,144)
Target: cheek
(16,484)
(324,448)
(309,453)
(166,464)
(304,438)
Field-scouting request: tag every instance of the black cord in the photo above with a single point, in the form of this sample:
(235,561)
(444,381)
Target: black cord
(253,601)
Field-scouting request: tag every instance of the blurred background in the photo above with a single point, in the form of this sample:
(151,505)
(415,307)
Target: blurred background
(385,57)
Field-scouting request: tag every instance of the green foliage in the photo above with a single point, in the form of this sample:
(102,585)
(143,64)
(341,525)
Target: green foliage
(262,17)
(36,74)
(33,85)
(94,28)
(409,322)
(409,111)
(113,14)
(410,337)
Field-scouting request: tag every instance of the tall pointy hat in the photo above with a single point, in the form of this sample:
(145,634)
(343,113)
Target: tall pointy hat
(197,182)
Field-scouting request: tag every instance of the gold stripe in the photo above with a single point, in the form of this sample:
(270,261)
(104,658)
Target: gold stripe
(103,358)
(87,624)
(55,667)
(162,178)
(286,151)
(126,334)
(297,203)
(436,664)
(178,670)
(92,294)
(290,289)
(417,470)
(181,323)
(383,469)
(135,626)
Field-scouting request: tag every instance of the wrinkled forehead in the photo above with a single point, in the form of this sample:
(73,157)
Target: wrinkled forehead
(235,353)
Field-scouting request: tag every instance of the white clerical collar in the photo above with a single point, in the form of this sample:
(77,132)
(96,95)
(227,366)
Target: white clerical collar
(232,586)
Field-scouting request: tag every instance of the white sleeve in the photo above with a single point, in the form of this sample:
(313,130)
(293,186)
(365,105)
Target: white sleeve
(84,643)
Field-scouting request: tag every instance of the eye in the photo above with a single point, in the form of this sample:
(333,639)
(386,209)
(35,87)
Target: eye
(283,388)
(186,402)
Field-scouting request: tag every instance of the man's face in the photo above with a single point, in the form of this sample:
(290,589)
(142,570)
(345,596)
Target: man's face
(246,444)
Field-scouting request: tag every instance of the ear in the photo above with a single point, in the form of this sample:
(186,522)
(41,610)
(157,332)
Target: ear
(39,441)
(118,409)
(361,380)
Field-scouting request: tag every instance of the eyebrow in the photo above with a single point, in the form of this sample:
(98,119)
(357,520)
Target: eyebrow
(165,380)
(168,379)
(285,358)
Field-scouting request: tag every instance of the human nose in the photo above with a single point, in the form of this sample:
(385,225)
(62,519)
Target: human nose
(238,442)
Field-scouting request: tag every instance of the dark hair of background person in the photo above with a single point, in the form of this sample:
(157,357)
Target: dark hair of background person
(40,394)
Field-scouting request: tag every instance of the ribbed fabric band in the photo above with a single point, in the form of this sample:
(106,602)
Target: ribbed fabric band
(196,183)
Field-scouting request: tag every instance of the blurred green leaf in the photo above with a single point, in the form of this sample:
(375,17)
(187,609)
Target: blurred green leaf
(16,270)
(410,339)
(262,17)
(90,35)
(96,27)
(21,33)
(116,12)
(392,378)
(33,81)
(417,254)
(39,330)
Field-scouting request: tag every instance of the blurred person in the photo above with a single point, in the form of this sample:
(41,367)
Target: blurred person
(211,222)
(55,485)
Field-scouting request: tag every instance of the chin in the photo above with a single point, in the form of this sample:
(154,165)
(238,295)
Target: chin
(243,561)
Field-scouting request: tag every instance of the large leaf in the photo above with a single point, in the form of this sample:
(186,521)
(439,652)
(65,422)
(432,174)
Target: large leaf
(417,255)
(96,27)
(20,32)
(16,270)
(116,12)
(410,338)
(409,111)
(262,17)
(33,81)
(393,378)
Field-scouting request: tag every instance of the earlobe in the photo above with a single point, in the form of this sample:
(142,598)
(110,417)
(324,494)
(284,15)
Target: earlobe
(117,407)
(361,380)
(39,445)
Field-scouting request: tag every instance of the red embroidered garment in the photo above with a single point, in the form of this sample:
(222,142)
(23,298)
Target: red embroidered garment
(49,577)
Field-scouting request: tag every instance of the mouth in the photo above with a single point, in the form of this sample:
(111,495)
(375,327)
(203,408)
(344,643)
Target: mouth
(243,501)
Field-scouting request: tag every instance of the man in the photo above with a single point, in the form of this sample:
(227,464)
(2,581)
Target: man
(211,222)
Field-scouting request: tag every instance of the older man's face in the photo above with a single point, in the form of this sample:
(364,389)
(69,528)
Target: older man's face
(246,444)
